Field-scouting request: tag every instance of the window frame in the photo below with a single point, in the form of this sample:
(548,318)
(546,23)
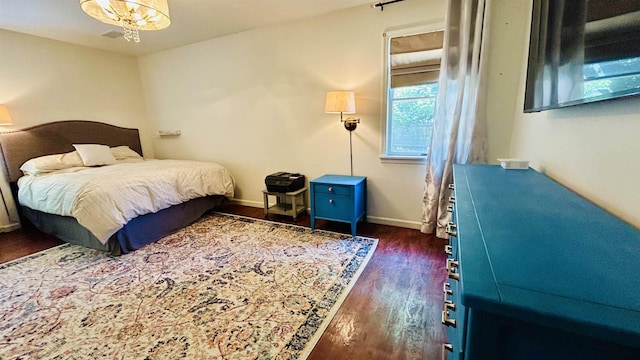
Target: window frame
(385,110)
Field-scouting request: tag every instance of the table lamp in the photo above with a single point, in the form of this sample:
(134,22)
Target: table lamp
(343,102)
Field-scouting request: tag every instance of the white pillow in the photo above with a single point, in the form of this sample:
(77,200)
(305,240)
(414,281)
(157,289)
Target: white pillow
(95,154)
(124,152)
(49,163)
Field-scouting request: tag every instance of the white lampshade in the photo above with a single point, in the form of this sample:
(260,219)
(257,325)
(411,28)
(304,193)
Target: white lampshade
(340,102)
(5,118)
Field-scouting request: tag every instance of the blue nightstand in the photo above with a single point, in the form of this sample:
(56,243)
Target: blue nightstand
(339,198)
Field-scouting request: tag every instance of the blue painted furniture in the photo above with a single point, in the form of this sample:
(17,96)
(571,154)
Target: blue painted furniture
(339,198)
(537,272)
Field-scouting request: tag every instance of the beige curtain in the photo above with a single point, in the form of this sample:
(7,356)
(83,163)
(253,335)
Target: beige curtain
(415,59)
(459,130)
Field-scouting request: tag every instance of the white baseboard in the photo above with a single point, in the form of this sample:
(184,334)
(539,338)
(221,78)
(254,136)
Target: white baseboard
(258,204)
(394,222)
(10,227)
(372,219)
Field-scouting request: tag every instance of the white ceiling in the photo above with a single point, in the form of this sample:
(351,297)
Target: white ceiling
(191,21)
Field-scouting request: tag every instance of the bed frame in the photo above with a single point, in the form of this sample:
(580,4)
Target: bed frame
(16,147)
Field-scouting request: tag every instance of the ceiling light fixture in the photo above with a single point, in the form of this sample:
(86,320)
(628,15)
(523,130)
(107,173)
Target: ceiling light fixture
(132,15)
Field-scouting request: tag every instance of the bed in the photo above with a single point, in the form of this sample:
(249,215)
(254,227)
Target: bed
(18,147)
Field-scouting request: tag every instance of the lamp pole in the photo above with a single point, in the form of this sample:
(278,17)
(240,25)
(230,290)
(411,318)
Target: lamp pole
(350,124)
(351,152)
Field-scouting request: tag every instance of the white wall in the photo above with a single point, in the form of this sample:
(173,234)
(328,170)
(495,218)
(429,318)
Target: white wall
(592,149)
(254,102)
(44,80)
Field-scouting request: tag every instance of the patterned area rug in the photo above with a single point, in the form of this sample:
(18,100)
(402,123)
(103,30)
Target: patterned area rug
(226,287)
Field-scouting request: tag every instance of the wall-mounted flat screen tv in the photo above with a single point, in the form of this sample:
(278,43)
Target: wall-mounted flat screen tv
(581,51)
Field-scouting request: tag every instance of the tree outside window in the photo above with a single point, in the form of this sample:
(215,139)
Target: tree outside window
(412,110)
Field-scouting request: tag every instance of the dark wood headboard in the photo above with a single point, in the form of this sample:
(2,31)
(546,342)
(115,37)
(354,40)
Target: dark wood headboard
(18,146)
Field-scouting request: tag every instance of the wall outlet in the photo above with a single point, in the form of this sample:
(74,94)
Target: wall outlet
(168,132)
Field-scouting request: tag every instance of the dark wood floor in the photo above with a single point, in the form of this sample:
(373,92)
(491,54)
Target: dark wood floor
(393,311)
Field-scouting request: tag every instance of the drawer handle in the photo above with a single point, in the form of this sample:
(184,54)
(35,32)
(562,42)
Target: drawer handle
(449,305)
(450,208)
(330,189)
(446,290)
(450,229)
(446,347)
(451,269)
(330,201)
(452,199)
(448,249)
(451,186)
(445,315)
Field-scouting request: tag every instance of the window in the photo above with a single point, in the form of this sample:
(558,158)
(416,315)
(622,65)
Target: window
(411,109)
(612,77)
(411,88)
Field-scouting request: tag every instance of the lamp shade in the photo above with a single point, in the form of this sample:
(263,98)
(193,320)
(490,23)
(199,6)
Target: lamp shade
(5,118)
(340,102)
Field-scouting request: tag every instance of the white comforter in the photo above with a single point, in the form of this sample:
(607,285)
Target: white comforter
(103,199)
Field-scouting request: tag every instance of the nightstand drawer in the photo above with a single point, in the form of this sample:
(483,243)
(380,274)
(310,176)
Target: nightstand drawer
(335,207)
(333,189)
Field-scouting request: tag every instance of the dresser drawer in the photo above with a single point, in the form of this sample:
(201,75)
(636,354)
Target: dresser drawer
(332,189)
(333,206)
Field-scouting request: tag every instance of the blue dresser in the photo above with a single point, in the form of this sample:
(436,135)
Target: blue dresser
(339,198)
(537,272)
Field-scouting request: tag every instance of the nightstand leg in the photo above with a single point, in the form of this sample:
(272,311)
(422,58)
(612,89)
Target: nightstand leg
(353,228)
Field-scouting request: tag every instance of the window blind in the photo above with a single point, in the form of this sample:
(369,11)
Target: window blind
(415,59)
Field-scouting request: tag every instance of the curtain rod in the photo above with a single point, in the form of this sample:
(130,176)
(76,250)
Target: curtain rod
(382,4)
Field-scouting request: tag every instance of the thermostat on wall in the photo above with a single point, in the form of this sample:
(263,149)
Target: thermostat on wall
(168,132)
(514,164)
